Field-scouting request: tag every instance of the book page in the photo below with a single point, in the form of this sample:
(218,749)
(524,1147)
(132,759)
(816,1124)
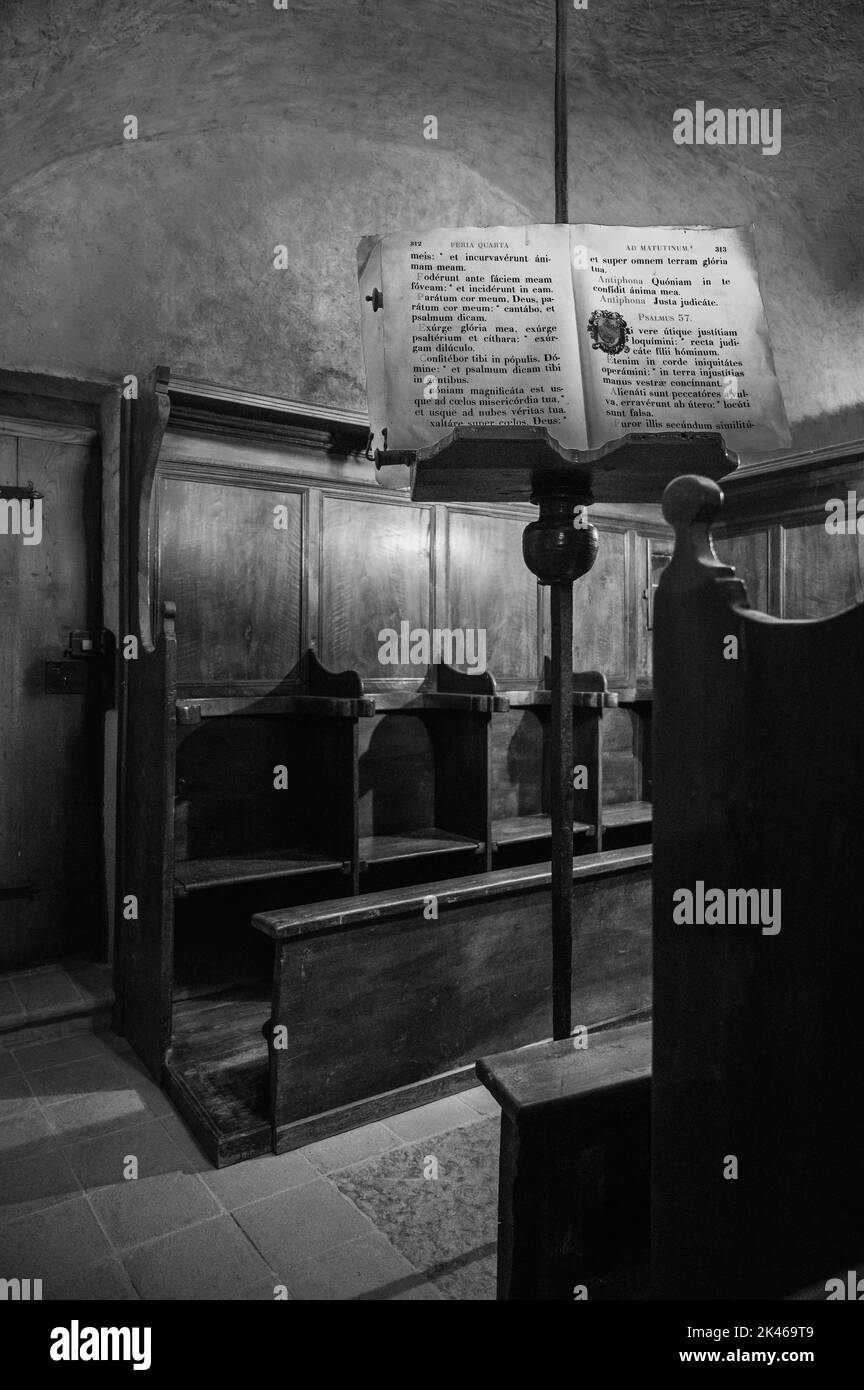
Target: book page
(673,335)
(478,328)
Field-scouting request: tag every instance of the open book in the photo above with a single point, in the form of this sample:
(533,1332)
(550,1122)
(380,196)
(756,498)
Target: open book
(593,332)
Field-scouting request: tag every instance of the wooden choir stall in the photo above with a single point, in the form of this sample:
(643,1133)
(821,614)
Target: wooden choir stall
(334,882)
(345,857)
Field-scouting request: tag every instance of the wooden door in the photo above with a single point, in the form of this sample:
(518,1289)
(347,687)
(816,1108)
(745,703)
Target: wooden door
(51,857)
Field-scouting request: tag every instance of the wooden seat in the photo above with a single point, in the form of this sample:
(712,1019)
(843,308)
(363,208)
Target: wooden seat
(380,1011)
(627,813)
(573,1195)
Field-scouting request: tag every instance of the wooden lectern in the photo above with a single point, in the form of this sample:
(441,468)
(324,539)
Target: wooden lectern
(524,463)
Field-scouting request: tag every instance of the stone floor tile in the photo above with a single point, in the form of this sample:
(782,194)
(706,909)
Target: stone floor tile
(8,1065)
(424,1292)
(354,1147)
(10,1005)
(45,989)
(82,1077)
(34,1056)
(106,1282)
(426,1120)
(481,1100)
(94,982)
(140,1210)
(32,1183)
(24,1132)
(266,1292)
(101,1162)
(185,1140)
(16,1094)
(136,1075)
(242,1183)
(51,1242)
(86,1117)
(297,1225)
(214,1260)
(366,1268)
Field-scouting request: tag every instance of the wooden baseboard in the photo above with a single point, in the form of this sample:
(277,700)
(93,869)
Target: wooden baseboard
(363,1112)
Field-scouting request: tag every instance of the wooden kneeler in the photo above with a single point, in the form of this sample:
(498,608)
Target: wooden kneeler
(573,1197)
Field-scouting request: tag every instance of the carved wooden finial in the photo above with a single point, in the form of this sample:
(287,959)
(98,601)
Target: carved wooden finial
(690,505)
(690,499)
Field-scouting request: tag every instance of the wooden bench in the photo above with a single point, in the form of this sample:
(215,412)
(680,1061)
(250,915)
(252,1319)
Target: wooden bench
(388,999)
(574,1189)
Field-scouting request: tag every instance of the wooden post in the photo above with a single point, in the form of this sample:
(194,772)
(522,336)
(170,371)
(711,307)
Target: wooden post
(561,805)
(559,553)
(561,11)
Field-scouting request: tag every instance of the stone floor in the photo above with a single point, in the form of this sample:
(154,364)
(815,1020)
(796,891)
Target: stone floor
(54,999)
(392,1211)
(104,1193)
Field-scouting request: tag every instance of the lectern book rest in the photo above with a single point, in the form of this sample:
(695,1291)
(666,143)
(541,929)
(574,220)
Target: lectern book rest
(586,332)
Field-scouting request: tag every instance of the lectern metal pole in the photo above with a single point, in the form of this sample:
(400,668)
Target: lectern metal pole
(559,552)
(561,596)
(561,805)
(561,11)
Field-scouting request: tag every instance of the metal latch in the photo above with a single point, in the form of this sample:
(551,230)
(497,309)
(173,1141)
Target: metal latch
(87,667)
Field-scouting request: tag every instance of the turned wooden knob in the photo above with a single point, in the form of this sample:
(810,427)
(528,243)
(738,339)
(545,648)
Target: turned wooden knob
(690,505)
(553,547)
(689,499)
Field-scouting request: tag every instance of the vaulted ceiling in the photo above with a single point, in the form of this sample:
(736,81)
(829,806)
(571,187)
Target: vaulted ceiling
(304,127)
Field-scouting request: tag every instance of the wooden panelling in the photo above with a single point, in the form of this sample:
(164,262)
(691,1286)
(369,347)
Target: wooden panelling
(463,774)
(822,573)
(365,562)
(488,586)
(650,555)
(622,764)
(236,579)
(375,574)
(750,555)
(397,775)
(602,613)
(521,769)
(422,778)
(225,772)
(519,754)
